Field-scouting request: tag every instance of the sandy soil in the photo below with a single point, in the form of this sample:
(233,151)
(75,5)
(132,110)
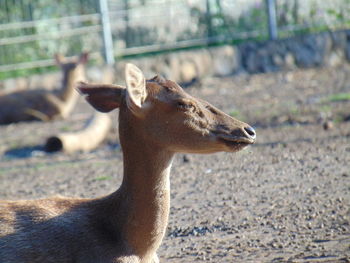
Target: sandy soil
(285,199)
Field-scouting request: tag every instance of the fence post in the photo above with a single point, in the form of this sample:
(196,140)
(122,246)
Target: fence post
(128,36)
(271,11)
(107,33)
(208,20)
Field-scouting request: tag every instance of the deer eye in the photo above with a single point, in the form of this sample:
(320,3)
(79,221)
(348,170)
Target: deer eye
(184,105)
(212,110)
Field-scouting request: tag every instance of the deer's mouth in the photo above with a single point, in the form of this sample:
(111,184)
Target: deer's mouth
(235,143)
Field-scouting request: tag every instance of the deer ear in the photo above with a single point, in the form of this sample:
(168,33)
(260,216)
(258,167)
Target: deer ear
(136,88)
(103,97)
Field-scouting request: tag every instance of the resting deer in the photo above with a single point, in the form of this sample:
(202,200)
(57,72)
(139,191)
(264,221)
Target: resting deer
(43,104)
(157,119)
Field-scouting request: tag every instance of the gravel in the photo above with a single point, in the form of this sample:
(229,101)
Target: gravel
(284,199)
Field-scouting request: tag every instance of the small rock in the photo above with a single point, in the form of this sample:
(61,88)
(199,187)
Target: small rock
(185,159)
(327,125)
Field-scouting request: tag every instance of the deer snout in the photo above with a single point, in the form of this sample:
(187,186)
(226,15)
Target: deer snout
(241,133)
(249,132)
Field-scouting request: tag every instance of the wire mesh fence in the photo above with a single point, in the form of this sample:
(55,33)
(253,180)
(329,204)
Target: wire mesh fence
(32,31)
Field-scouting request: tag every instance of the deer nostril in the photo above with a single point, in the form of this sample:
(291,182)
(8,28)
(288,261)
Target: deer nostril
(250,131)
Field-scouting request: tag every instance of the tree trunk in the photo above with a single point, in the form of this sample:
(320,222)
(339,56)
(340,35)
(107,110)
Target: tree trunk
(87,139)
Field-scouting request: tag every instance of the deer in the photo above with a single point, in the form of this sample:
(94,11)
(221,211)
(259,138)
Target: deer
(43,104)
(157,119)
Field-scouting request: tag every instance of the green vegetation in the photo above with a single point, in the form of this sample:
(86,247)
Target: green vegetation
(325,108)
(66,128)
(294,110)
(319,17)
(212,22)
(236,114)
(26,72)
(103,178)
(338,97)
(339,119)
(50,41)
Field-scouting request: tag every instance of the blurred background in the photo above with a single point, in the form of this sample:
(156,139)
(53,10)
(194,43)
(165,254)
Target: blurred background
(32,31)
(281,66)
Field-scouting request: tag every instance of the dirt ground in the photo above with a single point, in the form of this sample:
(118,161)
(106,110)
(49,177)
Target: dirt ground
(284,199)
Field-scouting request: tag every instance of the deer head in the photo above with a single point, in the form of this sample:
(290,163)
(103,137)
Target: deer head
(75,64)
(162,113)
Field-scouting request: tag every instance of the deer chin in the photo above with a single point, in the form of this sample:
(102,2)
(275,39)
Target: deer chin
(235,147)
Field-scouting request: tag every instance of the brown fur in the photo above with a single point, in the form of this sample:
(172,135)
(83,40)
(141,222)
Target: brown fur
(128,225)
(42,104)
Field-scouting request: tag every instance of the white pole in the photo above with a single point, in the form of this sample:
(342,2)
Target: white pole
(271,10)
(107,33)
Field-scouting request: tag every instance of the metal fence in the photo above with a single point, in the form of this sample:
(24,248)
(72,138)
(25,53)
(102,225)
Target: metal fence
(32,31)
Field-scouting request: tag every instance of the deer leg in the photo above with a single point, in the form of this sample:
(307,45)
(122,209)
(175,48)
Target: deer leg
(37,114)
(58,106)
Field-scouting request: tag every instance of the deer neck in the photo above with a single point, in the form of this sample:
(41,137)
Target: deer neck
(70,77)
(67,92)
(145,190)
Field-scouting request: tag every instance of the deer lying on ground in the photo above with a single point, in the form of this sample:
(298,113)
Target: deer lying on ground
(43,104)
(157,119)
